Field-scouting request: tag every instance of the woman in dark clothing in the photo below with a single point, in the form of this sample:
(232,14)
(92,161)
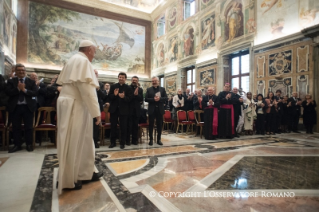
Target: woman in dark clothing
(309,113)
(271,113)
(285,112)
(261,106)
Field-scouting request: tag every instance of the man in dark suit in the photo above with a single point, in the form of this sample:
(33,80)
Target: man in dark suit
(100,98)
(295,104)
(119,96)
(135,111)
(188,100)
(21,105)
(156,97)
(40,99)
(237,102)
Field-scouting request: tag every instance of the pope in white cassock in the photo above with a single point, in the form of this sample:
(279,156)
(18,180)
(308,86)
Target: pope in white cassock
(77,105)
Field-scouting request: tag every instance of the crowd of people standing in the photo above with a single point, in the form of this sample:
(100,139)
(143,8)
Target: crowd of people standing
(245,112)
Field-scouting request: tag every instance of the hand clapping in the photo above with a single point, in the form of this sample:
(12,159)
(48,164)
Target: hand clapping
(21,86)
(156,98)
(122,95)
(136,91)
(116,91)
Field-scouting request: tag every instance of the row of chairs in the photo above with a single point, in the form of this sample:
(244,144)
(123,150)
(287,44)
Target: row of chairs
(43,123)
(193,118)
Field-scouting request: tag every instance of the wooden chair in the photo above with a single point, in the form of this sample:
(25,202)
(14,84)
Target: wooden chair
(45,124)
(142,126)
(3,126)
(167,119)
(191,117)
(199,123)
(105,125)
(182,120)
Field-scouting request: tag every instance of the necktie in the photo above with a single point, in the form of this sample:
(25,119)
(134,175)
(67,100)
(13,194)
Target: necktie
(21,94)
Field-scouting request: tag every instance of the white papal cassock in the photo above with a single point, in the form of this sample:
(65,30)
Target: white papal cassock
(77,105)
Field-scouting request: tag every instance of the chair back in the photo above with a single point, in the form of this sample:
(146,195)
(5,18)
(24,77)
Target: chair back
(191,116)
(181,116)
(197,114)
(3,118)
(107,117)
(167,115)
(46,115)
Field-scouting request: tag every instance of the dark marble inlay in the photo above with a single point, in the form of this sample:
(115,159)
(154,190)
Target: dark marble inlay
(271,172)
(42,199)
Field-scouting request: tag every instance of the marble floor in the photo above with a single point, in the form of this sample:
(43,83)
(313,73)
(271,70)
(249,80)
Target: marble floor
(251,173)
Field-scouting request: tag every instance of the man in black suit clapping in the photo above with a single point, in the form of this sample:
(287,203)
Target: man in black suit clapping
(135,111)
(119,96)
(21,105)
(156,98)
(295,103)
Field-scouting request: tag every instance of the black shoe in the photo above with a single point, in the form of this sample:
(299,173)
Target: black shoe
(128,144)
(122,146)
(159,142)
(112,145)
(150,143)
(134,143)
(15,149)
(95,177)
(96,144)
(29,148)
(296,131)
(237,136)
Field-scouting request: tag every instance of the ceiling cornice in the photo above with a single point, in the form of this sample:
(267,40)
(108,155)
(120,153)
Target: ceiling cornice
(113,8)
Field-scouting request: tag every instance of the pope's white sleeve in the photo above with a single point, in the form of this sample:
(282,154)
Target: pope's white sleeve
(88,94)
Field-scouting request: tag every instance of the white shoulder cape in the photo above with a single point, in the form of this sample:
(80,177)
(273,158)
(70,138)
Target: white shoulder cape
(78,69)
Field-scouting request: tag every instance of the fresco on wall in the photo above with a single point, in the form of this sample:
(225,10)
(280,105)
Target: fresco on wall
(1,22)
(160,55)
(208,32)
(172,18)
(280,63)
(251,25)
(55,36)
(276,18)
(145,5)
(172,53)
(308,13)
(7,24)
(189,41)
(234,20)
(205,3)
(9,3)
(207,77)
(14,34)
(170,85)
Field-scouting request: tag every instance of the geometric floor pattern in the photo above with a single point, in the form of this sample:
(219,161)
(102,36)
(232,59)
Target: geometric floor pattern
(250,173)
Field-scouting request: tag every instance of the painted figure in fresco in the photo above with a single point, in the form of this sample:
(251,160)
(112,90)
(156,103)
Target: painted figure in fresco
(208,33)
(251,25)
(270,4)
(189,42)
(160,55)
(277,27)
(172,17)
(309,17)
(6,27)
(14,38)
(233,20)
(173,50)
